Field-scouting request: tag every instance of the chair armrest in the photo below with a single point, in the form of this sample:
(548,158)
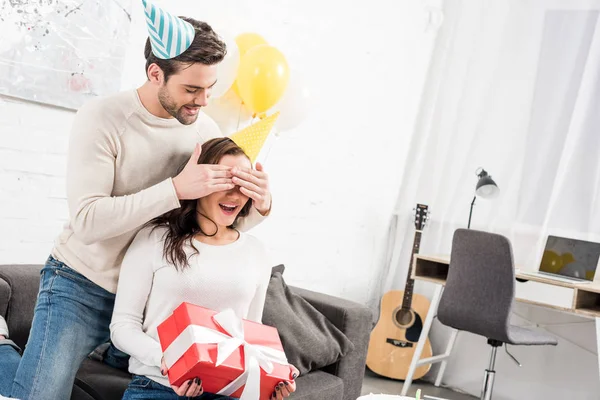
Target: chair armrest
(356,322)
(19,285)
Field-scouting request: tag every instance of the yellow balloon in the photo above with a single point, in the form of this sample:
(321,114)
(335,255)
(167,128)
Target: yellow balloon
(590,275)
(551,262)
(567,258)
(263,76)
(246,41)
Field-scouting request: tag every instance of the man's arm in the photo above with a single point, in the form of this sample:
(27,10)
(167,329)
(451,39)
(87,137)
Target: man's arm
(95,214)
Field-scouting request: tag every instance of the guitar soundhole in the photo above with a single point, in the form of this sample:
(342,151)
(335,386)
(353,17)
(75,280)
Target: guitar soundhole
(404,318)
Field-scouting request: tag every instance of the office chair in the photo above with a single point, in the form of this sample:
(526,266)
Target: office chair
(479,295)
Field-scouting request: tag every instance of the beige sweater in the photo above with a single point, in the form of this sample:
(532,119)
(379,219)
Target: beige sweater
(121,161)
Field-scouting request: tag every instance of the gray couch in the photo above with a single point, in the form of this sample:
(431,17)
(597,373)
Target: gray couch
(97,381)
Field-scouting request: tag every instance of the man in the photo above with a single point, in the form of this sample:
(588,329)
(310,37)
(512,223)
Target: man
(123,152)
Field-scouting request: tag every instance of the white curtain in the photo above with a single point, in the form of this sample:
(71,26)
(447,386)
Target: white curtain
(514,88)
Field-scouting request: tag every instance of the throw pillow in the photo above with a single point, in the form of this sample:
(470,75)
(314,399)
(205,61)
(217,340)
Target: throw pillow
(309,339)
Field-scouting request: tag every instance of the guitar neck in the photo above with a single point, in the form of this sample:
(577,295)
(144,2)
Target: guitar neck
(408,289)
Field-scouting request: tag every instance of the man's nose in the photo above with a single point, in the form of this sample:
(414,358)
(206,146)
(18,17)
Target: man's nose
(202,99)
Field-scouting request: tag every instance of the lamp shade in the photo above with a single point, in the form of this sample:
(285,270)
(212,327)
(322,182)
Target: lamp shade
(486,187)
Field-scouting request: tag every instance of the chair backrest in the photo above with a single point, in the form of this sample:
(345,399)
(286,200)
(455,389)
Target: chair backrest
(480,288)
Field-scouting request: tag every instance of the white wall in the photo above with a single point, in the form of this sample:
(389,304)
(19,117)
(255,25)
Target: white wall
(334,179)
(33,141)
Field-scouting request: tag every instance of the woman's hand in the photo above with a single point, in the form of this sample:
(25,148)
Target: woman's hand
(254,183)
(286,388)
(189,388)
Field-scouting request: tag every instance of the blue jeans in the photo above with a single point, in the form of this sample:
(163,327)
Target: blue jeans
(142,388)
(9,362)
(71,318)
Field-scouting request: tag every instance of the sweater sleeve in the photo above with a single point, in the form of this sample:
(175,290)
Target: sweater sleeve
(135,284)
(255,311)
(95,214)
(248,222)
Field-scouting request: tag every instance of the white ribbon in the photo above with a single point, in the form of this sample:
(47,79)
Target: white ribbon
(255,356)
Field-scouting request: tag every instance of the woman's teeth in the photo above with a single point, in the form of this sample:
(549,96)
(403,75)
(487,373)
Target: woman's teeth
(228,207)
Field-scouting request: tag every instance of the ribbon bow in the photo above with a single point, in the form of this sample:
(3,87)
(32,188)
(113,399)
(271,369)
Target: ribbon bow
(255,356)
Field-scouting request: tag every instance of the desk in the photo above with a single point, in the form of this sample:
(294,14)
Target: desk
(579,299)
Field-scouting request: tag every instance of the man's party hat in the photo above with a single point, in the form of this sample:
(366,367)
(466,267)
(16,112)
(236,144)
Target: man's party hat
(169,35)
(252,138)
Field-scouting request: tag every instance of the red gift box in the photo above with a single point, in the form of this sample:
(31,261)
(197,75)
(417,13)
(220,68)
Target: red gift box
(189,339)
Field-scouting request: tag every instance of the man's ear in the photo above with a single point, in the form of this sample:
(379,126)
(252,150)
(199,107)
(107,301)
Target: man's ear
(155,74)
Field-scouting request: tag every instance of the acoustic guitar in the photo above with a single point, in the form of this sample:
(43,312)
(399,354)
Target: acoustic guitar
(394,338)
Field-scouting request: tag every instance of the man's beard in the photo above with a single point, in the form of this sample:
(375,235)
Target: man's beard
(171,107)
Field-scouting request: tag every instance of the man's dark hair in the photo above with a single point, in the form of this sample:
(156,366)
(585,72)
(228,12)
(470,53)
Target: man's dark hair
(206,48)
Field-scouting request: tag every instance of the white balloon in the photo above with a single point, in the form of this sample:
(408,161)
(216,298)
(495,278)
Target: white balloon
(228,112)
(228,68)
(294,105)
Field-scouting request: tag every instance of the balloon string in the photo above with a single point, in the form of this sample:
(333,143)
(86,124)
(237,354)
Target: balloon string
(239,115)
(270,146)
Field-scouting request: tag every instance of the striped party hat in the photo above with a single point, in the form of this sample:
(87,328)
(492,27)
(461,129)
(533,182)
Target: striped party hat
(169,35)
(252,138)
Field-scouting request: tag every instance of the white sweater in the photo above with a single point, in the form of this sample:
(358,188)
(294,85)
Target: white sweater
(232,276)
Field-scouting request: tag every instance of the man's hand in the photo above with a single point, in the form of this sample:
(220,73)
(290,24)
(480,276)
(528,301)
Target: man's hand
(254,184)
(200,180)
(2,337)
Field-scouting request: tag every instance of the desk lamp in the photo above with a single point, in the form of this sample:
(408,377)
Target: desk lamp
(486,189)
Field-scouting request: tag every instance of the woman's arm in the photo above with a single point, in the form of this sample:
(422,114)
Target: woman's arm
(255,311)
(135,283)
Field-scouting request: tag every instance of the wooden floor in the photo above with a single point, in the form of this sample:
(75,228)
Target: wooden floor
(379,385)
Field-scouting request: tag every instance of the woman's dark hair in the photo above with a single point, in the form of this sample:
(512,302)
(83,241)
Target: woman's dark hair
(182,223)
(207,48)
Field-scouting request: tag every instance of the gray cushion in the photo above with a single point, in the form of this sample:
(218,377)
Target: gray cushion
(523,336)
(318,385)
(100,381)
(309,339)
(80,394)
(5,293)
(356,321)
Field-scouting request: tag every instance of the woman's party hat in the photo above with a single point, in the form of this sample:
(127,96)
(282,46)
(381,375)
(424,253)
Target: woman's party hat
(252,138)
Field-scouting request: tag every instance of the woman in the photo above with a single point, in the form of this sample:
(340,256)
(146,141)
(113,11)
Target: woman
(191,254)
